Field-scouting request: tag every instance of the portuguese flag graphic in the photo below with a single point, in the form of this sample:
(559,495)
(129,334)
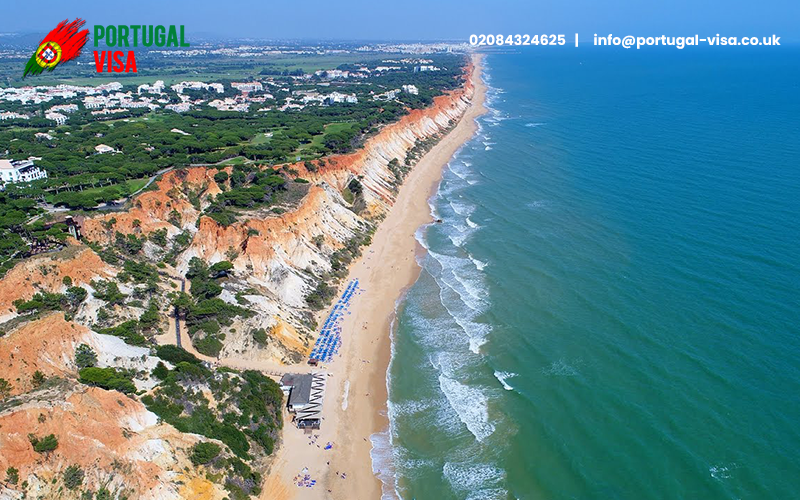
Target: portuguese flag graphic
(60,45)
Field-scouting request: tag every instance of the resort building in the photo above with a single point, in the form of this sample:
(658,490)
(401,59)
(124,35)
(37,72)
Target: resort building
(248,87)
(13,171)
(10,115)
(56,117)
(104,148)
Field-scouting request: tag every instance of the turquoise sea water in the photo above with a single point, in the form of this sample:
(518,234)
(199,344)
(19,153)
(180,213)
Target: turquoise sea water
(610,308)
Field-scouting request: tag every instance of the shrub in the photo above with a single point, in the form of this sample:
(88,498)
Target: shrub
(107,378)
(318,298)
(44,445)
(127,331)
(73,477)
(150,317)
(38,378)
(5,388)
(203,453)
(260,335)
(161,371)
(43,301)
(209,345)
(175,354)
(85,356)
(12,475)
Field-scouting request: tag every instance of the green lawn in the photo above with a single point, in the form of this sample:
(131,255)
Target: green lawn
(236,160)
(130,186)
(330,128)
(260,138)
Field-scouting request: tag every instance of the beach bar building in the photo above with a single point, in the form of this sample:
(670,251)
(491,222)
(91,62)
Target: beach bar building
(305,392)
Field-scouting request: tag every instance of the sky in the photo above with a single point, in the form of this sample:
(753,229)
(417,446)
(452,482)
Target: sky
(420,20)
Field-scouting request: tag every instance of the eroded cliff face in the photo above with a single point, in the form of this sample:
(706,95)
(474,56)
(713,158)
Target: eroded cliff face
(394,141)
(113,438)
(278,260)
(166,207)
(46,272)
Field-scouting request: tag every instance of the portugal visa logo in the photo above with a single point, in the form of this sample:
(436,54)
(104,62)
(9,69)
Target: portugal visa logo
(60,45)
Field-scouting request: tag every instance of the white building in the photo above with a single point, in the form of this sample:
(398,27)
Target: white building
(248,87)
(12,171)
(335,97)
(10,115)
(179,108)
(56,117)
(410,89)
(103,148)
(156,88)
(64,108)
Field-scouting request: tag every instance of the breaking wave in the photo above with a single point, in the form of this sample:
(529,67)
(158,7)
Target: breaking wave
(503,377)
(471,405)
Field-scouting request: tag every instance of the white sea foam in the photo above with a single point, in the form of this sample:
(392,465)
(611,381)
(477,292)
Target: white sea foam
(470,404)
(488,148)
(536,204)
(382,455)
(478,481)
(406,408)
(459,170)
(458,239)
(463,209)
(719,472)
(560,368)
(503,377)
(479,265)
(470,281)
(534,124)
(463,296)
(472,223)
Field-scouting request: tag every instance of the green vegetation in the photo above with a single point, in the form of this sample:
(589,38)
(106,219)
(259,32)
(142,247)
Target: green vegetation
(12,475)
(260,336)
(45,301)
(205,313)
(161,371)
(324,292)
(175,355)
(246,416)
(73,477)
(85,356)
(108,291)
(45,444)
(129,331)
(107,378)
(38,379)
(203,453)
(5,388)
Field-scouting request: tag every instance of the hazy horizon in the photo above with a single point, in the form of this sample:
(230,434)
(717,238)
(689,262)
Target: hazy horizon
(416,20)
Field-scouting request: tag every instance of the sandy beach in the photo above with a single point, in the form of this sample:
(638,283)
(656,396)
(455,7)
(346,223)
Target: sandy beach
(356,394)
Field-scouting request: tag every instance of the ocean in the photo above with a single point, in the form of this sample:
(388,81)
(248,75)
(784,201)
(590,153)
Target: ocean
(609,309)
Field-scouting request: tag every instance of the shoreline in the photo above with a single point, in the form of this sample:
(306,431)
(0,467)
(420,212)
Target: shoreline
(386,269)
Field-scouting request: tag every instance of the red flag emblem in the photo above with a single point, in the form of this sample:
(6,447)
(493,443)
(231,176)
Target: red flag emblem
(60,45)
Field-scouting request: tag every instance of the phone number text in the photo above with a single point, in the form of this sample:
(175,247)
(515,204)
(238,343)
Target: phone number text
(544,39)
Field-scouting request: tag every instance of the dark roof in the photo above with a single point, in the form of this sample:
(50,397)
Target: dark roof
(301,387)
